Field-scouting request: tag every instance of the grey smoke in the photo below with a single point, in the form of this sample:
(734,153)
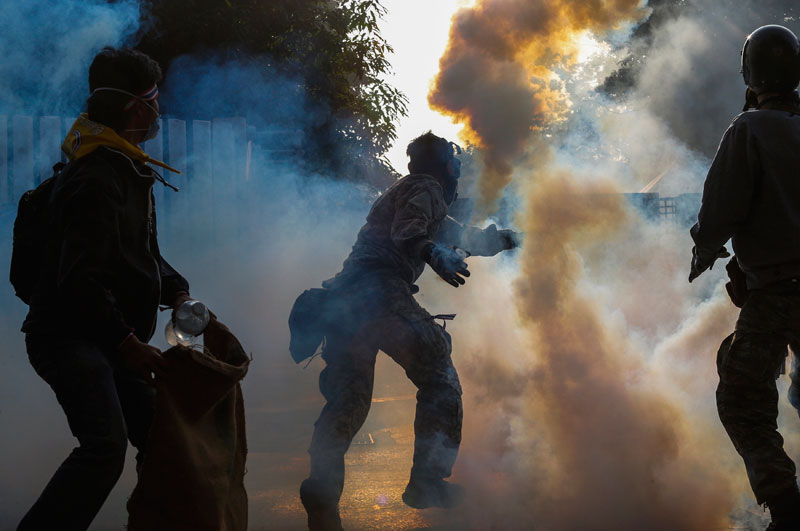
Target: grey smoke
(690,73)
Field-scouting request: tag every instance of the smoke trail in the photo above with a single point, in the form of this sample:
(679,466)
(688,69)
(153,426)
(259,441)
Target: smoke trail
(601,404)
(602,415)
(570,424)
(499,76)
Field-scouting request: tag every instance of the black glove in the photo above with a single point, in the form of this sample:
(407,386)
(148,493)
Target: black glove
(448,263)
(700,264)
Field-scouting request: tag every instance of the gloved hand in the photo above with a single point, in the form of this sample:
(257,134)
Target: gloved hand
(448,263)
(490,241)
(700,264)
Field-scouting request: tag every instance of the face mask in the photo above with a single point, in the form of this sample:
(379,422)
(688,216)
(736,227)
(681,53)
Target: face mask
(450,192)
(152,94)
(455,168)
(153,130)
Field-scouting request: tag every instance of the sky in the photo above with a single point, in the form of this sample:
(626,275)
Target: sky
(418,31)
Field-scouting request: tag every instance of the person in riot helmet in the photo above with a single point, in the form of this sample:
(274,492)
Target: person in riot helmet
(752,196)
(770,64)
(94,306)
(372,308)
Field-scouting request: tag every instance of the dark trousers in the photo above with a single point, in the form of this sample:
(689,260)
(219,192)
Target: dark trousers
(105,406)
(749,362)
(408,334)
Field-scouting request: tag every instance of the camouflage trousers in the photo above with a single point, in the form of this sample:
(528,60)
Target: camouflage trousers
(749,363)
(407,333)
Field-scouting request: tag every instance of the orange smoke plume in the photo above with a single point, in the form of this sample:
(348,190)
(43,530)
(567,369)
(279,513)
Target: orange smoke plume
(590,429)
(617,437)
(571,421)
(498,75)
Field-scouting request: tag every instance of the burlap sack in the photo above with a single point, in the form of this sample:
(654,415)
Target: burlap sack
(192,477)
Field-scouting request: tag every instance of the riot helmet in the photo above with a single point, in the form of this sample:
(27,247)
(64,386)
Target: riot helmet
(771,60)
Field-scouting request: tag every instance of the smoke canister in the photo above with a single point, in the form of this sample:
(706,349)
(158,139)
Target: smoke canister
(188,322)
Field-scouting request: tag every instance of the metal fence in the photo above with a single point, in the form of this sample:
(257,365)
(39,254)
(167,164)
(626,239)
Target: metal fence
(214,157)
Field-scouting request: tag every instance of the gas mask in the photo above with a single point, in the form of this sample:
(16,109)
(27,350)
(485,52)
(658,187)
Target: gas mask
(153,130)
(150,95)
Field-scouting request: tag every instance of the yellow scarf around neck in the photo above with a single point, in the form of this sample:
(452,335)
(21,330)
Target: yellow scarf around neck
(85,136)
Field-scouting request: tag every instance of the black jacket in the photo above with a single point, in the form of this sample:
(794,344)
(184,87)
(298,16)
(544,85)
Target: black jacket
(103,275)
(752,195)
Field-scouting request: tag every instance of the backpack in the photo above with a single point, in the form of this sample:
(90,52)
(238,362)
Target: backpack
(30,236)
(308,323)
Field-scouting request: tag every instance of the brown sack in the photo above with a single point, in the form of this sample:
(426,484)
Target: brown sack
(192,477)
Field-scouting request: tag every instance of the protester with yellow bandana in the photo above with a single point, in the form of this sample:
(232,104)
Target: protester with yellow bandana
(94,306)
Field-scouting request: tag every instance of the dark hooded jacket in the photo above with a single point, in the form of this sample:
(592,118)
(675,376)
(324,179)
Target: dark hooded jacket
(103,275)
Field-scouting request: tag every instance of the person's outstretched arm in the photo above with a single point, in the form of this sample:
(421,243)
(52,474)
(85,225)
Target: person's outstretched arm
(477,242)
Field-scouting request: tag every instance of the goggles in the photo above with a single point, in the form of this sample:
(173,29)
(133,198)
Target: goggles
(148,95)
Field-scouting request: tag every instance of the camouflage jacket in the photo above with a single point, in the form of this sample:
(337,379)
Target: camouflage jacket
(407,217)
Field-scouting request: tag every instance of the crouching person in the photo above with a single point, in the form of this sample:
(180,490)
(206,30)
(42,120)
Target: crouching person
(369,306)
(101,278)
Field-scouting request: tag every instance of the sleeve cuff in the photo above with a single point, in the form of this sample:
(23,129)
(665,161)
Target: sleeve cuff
(418,248)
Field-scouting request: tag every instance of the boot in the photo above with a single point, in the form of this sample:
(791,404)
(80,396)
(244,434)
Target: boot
(785,511)
(321,506)
(422,493)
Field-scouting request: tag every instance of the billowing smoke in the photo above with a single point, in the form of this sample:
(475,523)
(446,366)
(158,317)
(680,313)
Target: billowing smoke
(587,360)
(590,401)
(593,397)
(499,76)
(76,30)
(687,65)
